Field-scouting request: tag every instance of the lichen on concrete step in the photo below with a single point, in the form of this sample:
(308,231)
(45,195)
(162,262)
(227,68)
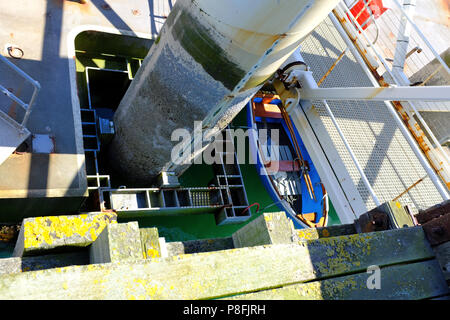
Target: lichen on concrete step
(58,232)
(117,242)
(268,228)
(151,247)
(202,245)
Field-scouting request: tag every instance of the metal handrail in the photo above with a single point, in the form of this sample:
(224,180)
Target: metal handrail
(430,171)
(36,87)
(396,79)
(424,39)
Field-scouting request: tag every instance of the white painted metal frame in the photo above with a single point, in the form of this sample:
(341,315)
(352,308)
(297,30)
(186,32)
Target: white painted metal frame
(404,93)
(399,77)
(36,87)
(310,85)
(430,171)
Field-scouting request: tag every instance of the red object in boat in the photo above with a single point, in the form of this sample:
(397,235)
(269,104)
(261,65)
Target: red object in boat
(361,13)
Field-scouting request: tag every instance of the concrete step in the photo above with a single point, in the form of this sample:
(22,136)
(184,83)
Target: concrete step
(243,271)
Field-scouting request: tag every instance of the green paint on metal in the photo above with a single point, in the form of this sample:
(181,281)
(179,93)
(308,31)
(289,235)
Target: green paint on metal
(114,44)
(197,41)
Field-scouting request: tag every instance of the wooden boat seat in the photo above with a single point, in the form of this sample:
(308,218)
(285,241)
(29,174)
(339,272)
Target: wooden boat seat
(282,165)
(280,160)
(267,111)
(310,219)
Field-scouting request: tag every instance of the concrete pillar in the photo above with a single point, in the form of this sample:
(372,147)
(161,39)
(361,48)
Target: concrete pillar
(268,228)
(46,234)
(208,60)
(117,242)
(151,245)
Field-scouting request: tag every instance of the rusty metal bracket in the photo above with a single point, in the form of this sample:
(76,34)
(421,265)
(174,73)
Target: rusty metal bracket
(433,212)
(436,222)
(438,230)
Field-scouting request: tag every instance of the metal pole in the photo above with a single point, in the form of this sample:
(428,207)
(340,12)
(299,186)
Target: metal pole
(402,40)
(429,170)
(13,97)
(28,112)
(19,71)
(437,56)
(441,93)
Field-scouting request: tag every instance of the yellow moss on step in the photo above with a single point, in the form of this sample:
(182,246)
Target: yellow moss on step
(152,253)
(307,234)
(45,230)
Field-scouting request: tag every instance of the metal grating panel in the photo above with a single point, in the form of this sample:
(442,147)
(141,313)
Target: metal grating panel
(388,161)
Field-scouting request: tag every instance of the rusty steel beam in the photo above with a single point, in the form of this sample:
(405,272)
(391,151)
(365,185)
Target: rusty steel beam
(438,230)
(433,212)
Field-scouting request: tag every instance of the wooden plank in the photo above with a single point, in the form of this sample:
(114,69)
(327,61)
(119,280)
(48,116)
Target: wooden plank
(433,212)
(221,273)
(285,153)
(338,255)
(200,245)
(150,243)
(443,256)
(414,281)
(283,165)
(326,232)
(117,243)
(267,111)
(268,228)
(338,230)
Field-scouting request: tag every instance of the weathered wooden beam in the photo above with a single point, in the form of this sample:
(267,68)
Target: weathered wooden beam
(420,280)
(222,273)
(150,243)
(268,228)
(200,245)
(443,256)
(338,255)
(326,232)
(48,261)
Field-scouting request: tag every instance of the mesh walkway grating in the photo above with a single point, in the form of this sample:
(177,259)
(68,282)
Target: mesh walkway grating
(388,161)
